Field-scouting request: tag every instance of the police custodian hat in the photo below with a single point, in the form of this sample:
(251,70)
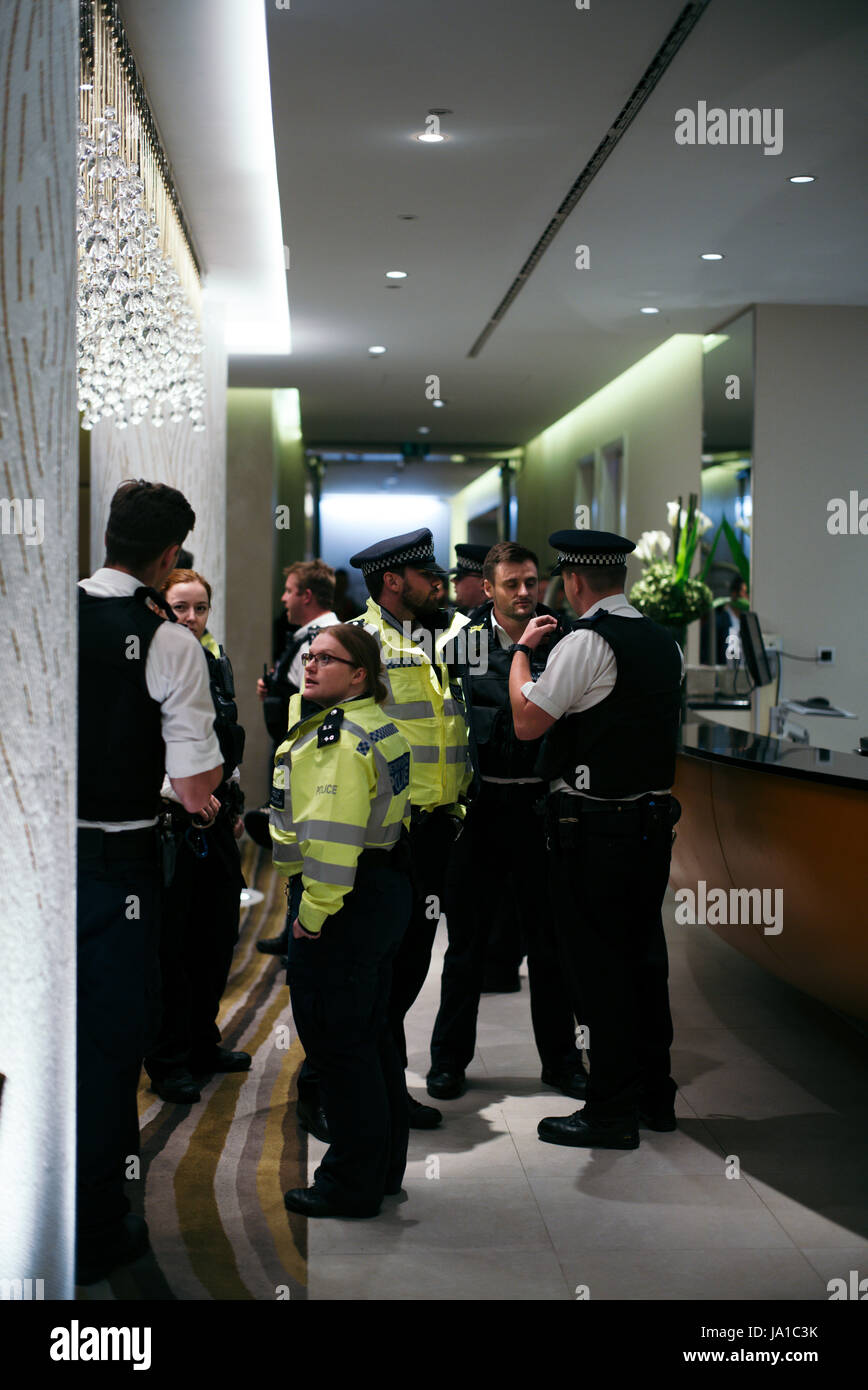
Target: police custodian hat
(589,548)
(470,559)
(416,548)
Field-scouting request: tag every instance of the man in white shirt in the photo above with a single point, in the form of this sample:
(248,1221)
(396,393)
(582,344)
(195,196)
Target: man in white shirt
(609,703)
(144,709)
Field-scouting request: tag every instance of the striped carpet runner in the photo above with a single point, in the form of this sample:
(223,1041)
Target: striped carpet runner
(212,1175)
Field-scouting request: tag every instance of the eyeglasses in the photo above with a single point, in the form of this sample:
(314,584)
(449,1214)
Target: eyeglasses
(324,659)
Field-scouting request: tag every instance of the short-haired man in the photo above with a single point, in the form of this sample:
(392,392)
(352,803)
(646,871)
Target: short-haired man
(498,863)
(308,597)
(144,708)
(609,704)
(467,578)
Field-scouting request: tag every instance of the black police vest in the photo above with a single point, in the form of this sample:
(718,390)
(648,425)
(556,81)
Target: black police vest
(121,754)
(499,752)
(230,734)
(627,741)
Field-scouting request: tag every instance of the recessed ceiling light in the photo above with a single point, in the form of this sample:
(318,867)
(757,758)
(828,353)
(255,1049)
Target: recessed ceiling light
(438,405)
(423,429)
(376,350)
(396,274)
(711,256)
(430,138)
(649,310)
(802,178)
(457,458)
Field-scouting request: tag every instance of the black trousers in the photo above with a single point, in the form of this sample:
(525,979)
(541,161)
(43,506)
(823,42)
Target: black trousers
(117,1001)
(609,875)
(200,916)
(497,867)
(340,986)
(431,840)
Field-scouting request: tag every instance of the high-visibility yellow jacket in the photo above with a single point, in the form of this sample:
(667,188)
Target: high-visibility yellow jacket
(341,780)
(426,709)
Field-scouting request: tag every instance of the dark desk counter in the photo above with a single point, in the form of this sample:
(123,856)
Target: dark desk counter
(703,738)
(782,818)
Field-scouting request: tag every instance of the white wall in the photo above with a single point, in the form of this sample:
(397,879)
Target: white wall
(352,521)
(175,454)
(810,428)
(38,626)
(474,499)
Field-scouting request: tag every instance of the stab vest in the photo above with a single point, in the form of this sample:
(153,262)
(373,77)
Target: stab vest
(121,754)
(230,734)
(627,741)
(499,753)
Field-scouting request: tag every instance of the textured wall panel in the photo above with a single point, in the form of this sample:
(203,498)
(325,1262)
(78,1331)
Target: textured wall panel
(38,468)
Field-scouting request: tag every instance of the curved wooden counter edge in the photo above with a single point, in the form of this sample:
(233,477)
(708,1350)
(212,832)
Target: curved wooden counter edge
(804,842)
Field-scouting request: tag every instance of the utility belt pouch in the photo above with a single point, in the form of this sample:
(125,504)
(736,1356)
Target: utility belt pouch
(168,846)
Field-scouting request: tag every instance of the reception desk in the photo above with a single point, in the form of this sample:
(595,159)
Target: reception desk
(764,813)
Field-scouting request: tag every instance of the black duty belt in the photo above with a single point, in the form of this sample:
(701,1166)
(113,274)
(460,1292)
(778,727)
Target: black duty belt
(569,806)
(111,845)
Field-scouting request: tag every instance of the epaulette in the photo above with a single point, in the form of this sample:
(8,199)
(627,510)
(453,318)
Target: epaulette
(329,730)
(376,734)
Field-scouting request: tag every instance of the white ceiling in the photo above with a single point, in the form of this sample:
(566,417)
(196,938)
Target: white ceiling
(533,88)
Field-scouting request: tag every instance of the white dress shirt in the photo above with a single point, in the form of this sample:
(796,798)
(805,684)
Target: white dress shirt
(176,676)
(580,673)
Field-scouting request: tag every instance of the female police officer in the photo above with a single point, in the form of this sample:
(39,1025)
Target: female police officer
(339,798)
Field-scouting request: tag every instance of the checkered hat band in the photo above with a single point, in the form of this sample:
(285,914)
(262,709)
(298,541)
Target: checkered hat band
(469,567)
(400,557)
(599,557)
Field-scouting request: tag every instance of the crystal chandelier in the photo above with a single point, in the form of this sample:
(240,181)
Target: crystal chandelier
(139,347)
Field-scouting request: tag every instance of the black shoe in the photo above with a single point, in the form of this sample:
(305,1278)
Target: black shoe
(179,1087)
(445,1085)
(129,1243)
(588,1134)
(422,1116)
(221,1059)
(272,945)
(663,1121)
(256,825)
(312,1119)
(571,1081)
(501,984)
(308,1202)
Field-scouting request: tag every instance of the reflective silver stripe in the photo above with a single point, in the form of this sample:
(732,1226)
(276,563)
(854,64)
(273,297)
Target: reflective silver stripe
(286,854)
(329,873)
(453,707)
(415,709)
(330,831)
(456,753)
(425,755)
(387,836)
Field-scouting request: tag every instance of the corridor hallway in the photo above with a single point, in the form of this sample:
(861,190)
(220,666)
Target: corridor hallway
(768,1077)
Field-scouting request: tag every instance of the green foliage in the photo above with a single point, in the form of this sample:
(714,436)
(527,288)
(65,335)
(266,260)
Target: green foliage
(667,598)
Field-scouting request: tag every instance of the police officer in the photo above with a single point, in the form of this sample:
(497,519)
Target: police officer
(338,802)
(144,708)
(502,842)
(201,904)
(427,707)
(467,578)
(609,702)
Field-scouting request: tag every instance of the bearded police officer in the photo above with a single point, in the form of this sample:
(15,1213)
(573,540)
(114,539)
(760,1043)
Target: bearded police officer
(427,708)
(609,702)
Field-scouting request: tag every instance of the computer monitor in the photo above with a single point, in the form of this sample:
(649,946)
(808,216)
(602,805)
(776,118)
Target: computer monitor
(754,650)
